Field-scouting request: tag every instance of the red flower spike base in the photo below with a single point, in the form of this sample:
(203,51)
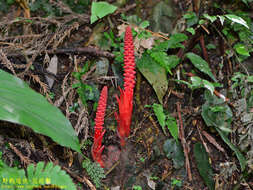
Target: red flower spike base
(125,100)
(97,147)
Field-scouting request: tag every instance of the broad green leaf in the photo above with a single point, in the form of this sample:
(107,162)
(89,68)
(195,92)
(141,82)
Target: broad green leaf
(201,64)
(101,9)
(239,155)
(212,113)
(203,165)
(237,19)
(176,39)
(220,116)
(155,74)
(211,18)
(171,123)
(20,104)
(158,110)
(241,49)
(174,151)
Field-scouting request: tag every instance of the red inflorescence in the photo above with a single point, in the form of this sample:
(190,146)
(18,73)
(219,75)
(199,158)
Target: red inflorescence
(129,61)
(126,96)
(97,147)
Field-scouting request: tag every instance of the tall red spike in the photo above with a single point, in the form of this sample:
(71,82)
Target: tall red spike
(126,96)
(97,147)
(129,61)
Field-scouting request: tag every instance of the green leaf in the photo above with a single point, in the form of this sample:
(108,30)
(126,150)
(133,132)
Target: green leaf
(191,30)
(176,39)
(155,74)
(220,116)
(201,64)
(144,24)
(210,46)
(212,113)
(174,151)
(191,18)
(101,9)
(20,104)
(222,18)
(245,2)
(173,61)
(239,155)
(211,18)
(203,165)
(158,110)
(201,83)
(171,123)
(237,19)
(250,78)
(241,49)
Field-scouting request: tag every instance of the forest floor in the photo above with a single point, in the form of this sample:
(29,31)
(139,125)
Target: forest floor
(68,60)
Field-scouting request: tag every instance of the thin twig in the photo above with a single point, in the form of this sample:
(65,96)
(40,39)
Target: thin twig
(82,179)
(203,47)
(183,142)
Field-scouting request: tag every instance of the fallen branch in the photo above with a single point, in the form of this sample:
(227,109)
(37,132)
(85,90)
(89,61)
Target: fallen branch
(78,50)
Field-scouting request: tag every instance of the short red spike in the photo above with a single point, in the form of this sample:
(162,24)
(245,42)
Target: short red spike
(97,147)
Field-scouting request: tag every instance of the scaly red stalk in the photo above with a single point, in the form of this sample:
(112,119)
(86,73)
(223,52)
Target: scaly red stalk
(97,147)
(126,96)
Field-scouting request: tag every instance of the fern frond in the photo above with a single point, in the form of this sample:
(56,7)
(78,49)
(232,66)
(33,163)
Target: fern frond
(160,56)
(41,175)
(49,175)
